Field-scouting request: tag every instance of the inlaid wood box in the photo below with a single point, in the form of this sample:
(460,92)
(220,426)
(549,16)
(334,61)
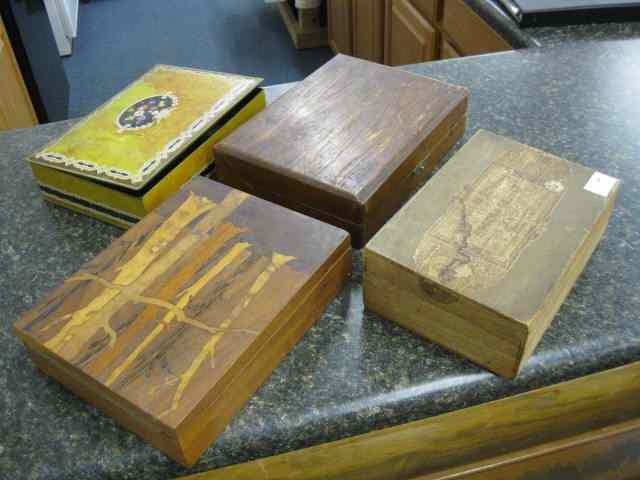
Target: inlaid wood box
(141,146)
(348,145)
(173,327)
(482,257)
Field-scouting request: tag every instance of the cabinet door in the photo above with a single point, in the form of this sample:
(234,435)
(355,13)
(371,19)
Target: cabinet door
(448,51)
(16,110)
(410,36)
(429,9)
(339,19)
(469,32)
(368,29)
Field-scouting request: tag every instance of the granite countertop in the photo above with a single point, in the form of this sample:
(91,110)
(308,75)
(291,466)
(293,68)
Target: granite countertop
(518,37)
(353,372)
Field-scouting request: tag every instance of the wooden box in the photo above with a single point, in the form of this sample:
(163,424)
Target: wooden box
(141,146)
(347,145)
(482,257)
(173,327)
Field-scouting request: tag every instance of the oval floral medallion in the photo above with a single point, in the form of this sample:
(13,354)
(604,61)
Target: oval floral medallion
(146,112)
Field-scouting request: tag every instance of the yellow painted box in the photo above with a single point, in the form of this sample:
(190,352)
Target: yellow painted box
(137,149)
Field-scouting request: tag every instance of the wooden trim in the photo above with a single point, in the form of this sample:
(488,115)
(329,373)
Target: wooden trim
(602,454)
(16,108)
(593,417)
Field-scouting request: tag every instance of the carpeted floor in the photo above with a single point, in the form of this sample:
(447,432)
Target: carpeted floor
(118,40)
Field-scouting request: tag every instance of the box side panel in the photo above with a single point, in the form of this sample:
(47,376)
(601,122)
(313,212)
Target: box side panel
(568,279)
(493,342)
(124,414)
(104,215)
(339,211)
(414,155)
(88,191)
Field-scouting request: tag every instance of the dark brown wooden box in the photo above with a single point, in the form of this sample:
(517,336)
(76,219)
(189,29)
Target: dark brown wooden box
(347,145)
(482,257)
(172,328)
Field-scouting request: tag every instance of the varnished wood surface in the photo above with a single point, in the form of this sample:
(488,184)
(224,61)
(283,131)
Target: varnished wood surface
(483,256)
(593,421)
(328,145)
(175,325)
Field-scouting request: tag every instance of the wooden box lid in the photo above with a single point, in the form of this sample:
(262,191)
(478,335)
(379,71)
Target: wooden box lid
(175,325)
(343,141)
(130,139)
(487,251)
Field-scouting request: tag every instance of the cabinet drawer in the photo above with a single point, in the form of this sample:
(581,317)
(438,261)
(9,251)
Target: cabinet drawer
(469,32)
(368,29)
(429,9)
(447,50)
(410,36)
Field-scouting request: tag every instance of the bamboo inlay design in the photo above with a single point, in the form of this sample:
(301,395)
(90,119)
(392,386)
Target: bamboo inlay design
(194,254)
(486,228)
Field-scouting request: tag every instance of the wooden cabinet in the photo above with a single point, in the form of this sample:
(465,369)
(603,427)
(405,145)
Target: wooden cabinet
(469,32)
(429,9)
(410,38)
(368,29)
(339,19)
(399,32)
(16,110)
(447,50)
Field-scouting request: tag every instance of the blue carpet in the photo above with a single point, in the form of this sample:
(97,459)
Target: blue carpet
(118,40)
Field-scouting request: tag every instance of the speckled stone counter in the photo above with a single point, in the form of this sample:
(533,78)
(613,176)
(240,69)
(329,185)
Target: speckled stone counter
(551,36)
(353,372)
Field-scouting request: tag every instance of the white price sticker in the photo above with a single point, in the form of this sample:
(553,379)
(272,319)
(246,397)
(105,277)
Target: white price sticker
(600,184)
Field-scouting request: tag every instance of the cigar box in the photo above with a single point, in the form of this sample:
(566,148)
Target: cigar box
(141,146)
(174,326)
(347,145)
(482,257)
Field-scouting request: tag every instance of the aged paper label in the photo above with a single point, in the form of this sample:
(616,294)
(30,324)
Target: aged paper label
(489,224)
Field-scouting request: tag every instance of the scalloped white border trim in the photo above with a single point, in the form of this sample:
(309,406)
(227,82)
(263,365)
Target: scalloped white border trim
(159,158)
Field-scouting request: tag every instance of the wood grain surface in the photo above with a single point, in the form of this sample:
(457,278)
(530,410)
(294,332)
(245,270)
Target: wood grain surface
(588,428)
(200,299)
(341,139)
(486,252)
